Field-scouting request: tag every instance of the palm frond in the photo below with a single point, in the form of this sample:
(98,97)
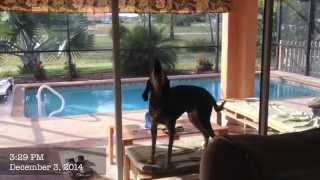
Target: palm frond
(140,49)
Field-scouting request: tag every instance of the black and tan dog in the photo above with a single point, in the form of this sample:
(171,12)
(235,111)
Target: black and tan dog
(167,104)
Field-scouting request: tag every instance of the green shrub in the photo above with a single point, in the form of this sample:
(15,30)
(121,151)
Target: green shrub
(123,31)
(203,63)
(188,19)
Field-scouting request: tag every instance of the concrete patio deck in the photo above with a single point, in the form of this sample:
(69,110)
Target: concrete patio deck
(79,131)
(65,132)
(91,130)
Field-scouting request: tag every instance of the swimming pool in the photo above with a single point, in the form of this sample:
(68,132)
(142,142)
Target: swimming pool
(100,98)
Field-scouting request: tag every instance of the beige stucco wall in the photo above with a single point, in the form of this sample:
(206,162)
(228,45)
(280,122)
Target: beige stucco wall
(238,57)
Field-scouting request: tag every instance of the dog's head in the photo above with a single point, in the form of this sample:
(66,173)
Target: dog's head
(157,78)
(158,82)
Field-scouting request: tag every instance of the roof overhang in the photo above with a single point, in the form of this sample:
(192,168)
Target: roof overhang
(126,6)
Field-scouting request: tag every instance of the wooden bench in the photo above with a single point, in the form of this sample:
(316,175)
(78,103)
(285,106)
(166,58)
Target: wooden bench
(132,133)
(185,161)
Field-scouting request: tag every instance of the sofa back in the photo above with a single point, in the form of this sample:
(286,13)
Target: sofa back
(291,156)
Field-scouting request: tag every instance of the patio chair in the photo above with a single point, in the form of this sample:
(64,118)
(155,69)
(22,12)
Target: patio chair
(293,156)
(6,86)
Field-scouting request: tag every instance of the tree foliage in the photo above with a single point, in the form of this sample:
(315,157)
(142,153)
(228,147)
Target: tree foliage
(27,34)
(140,48)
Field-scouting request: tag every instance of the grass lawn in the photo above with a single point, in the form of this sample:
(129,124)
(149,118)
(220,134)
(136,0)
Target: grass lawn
(194,28)
(184,35)
(93,63)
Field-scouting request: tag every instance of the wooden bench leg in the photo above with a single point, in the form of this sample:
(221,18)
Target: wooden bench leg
(126,168)
(126,160)
(110,144)
(219,120)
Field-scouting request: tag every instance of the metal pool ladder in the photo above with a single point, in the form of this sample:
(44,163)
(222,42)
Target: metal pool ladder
(40,102)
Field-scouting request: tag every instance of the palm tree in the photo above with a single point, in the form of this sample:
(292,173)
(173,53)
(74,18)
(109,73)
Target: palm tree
(28,34)
(172,27)
(77,39)
(24,34)
(140,47)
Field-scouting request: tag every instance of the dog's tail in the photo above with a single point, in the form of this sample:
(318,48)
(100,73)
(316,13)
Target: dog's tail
(217,107)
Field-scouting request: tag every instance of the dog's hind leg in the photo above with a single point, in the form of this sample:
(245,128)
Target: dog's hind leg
(204,117)
(201,120)
(154,127)
(172,130)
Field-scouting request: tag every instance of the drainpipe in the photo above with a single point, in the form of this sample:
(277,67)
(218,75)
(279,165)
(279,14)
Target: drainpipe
(117,86)
(265,68)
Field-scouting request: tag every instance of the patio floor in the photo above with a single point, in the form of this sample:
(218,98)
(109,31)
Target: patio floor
(91,130)
(80,131)
(69,132)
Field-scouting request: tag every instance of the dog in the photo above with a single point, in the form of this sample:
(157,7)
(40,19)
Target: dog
(167,104)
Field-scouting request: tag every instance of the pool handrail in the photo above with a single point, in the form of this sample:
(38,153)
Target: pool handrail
(39,101)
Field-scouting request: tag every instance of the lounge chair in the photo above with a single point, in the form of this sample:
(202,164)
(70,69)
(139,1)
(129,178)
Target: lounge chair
(6,86)
(282,118)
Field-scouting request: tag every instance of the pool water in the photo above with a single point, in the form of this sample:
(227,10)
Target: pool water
(100,98)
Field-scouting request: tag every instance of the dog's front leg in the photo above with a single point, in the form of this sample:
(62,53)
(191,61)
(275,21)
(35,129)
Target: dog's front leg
(172,131)
(154,128)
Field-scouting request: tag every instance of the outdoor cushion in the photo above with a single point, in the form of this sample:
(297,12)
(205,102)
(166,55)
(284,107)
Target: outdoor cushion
(315,103)
(185,159)
(281,117)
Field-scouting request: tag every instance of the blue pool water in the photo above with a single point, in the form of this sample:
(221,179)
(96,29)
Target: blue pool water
(96,99)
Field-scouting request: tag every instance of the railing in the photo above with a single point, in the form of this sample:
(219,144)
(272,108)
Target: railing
(40,103)
(292,57)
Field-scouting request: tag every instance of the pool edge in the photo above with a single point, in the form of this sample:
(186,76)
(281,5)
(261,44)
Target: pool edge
(17,111)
